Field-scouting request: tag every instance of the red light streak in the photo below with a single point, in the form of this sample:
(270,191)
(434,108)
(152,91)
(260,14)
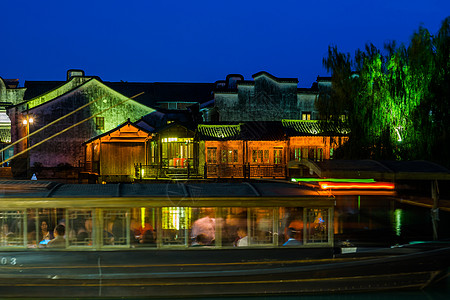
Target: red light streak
(361,186)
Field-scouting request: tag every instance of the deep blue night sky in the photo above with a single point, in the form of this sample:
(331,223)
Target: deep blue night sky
(198,41)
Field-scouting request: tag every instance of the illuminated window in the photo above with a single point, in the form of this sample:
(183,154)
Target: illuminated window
(317,225)
(254,156)
(203,229)
(234,230)
(99,123)
(211,155)
(278,156)
(305,153)
(235,156)
(319,154)
(261,226)
(11,223)
(172,105)
(79,227)
(115,227)
(297,153)
(306,115)
(223,155)
(175,225)
(266,156)
(290,226)
(143,227)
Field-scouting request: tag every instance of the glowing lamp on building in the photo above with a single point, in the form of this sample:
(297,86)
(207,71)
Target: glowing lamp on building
(28,121)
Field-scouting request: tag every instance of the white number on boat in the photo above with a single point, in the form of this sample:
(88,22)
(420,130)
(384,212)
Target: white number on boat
(5,260)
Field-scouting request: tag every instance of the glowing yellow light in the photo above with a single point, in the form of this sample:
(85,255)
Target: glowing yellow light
(143,217)
(24,122)
(30,120)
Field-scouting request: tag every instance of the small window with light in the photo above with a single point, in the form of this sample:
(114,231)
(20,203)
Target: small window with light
(306,115)
(99,123)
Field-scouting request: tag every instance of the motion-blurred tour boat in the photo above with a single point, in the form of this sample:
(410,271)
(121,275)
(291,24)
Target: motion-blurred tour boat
(143,240)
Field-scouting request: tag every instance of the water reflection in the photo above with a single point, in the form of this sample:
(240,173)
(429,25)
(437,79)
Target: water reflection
(371,220)
(397,222)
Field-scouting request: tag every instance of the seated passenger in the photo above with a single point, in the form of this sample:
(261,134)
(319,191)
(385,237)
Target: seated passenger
(200,240)
(148,239)
(45,235)
(205,225)
(292,241)
(59,241)
(243,238)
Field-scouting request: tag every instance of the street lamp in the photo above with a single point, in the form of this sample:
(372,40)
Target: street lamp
(29,120)
(26,123)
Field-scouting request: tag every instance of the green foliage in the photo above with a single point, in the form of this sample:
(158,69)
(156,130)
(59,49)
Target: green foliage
(396,102)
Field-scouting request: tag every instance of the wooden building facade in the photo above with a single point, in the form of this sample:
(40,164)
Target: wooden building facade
(264,149)
(113,155)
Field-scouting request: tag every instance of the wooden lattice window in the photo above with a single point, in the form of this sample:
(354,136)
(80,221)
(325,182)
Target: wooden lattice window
(100,123)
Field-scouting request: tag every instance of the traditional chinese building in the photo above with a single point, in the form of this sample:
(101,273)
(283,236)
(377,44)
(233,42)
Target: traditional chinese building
(262,125)
(265,98)
(64,118)
(264,149)
(68,113)
(10,94)
(113,155)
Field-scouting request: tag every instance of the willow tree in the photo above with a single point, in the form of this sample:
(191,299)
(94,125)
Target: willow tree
(396,103)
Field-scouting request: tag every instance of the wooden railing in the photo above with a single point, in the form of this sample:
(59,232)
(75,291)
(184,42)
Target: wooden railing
(244,171)
(155,171)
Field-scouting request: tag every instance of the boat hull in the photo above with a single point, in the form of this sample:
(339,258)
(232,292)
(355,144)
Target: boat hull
(213,272)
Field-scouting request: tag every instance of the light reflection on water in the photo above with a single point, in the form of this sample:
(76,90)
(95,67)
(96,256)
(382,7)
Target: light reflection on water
(397,223)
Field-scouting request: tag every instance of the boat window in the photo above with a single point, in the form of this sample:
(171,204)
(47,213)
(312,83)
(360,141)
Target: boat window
(175,225)
(261,226)
(203,230)
(41,224)
(234,228)
(143,227)
(290,228)
(115,231)
(79,227)
(317,225)
(12,233)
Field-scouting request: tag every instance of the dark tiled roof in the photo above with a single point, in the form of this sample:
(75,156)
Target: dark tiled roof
(11,83)
(263,131)
(323,78)
(248,131)
(267,131)
(292,80)
(37,88)
(153,92)
(219,132)
(313,127)
(164,91)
